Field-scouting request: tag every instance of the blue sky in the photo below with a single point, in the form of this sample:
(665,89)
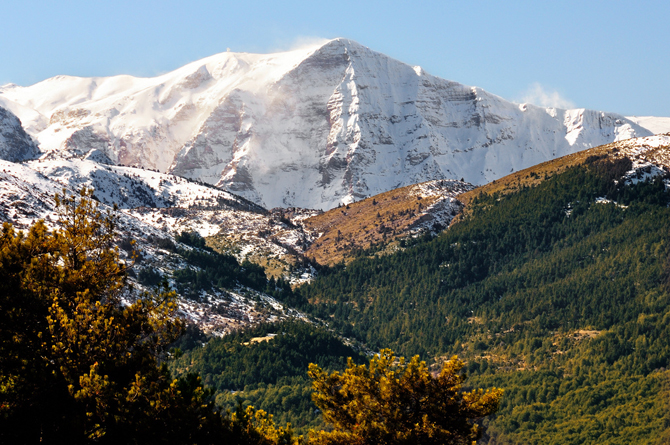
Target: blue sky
(605,55)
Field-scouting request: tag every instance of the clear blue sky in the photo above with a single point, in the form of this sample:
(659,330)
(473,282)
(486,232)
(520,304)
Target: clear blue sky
(605,55)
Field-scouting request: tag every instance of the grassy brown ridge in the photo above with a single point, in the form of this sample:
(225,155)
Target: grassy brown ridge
(360,225)
(532,176)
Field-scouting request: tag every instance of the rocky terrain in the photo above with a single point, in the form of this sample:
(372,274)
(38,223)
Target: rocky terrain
(15,143)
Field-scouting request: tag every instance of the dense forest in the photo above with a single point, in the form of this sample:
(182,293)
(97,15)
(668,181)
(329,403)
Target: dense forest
(267,367)
(557,293)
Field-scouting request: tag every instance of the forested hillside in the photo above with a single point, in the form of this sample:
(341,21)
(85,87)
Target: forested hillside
(558,293)
(267,368)
(80,362)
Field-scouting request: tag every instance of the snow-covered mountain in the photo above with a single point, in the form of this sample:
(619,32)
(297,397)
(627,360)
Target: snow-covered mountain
(27,192)
(313,128)
(657,125)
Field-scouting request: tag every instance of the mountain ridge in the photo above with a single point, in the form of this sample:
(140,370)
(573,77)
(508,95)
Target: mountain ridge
(316,127)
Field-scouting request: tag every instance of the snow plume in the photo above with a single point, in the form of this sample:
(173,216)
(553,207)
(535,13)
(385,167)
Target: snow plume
(300,42)
(538,95)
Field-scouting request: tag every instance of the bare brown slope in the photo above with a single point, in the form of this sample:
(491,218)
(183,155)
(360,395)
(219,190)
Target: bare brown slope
(382,219)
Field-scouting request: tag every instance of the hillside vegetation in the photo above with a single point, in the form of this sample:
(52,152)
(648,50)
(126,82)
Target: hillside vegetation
(347,231)
(267,367)
(83,361)
(556,292)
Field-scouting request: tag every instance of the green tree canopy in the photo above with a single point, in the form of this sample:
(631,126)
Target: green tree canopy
(392,401)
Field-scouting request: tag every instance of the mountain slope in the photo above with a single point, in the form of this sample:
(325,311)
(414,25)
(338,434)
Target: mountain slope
(312,128)
(556,292)
(376,222)
(657,125)
(215,291)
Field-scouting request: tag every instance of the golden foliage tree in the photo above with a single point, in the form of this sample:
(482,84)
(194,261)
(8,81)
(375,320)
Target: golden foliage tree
(77,363)
(392,401)
(249,426)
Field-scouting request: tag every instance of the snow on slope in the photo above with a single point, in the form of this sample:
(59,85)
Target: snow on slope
(32,121)
(657,125)
(139,121)
(650,157)
(443,208)
(309,128)
(129,187)
(171,205)
(27,195)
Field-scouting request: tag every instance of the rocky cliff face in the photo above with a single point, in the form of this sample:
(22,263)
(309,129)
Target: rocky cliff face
(15,144)
(311,128)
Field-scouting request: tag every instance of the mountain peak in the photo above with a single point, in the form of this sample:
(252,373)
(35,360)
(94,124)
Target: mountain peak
(328,123)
